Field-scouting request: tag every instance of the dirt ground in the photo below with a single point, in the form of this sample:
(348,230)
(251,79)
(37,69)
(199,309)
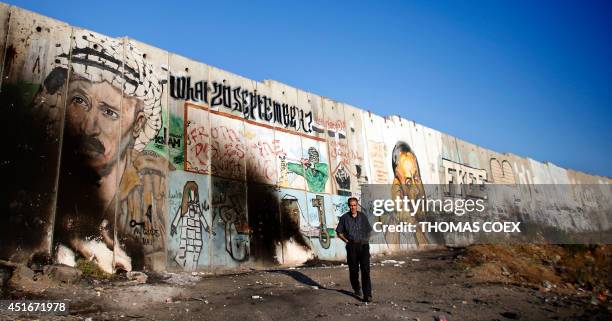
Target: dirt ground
(417,286)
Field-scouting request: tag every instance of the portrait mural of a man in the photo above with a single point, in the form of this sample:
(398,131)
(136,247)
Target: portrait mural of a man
(407,183)
(107,179)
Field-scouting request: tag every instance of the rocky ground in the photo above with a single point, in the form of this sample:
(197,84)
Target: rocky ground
(429,285)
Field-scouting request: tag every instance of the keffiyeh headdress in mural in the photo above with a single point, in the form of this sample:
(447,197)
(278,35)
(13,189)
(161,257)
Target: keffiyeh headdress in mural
(98,58)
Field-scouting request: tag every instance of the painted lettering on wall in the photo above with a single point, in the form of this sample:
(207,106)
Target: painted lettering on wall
(251,104)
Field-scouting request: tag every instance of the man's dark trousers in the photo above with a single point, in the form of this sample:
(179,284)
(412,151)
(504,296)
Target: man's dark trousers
(358,258)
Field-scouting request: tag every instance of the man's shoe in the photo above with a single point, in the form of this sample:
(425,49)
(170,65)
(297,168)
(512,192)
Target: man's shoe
(357,293)
(367,298)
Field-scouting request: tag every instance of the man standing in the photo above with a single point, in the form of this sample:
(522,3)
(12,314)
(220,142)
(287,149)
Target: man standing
(354,229)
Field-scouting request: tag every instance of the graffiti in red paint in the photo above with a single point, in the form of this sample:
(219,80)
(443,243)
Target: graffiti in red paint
(198,149)
(261,162)
(227,152)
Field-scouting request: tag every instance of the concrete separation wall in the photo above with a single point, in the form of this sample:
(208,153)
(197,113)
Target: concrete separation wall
(138,158)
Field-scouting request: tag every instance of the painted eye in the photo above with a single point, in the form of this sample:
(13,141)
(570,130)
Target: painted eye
(107,112)
(79,100)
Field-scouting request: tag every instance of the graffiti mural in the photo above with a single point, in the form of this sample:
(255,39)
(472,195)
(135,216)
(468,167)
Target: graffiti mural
(227,147)
(297,246)
(230,222)
(462,179)
(112,113)
(291,152)
(501,172)
(134,158)
(197,133)
(407,183)
(261,154)
(313,166)
(251,104)
(190,229)
(355,148)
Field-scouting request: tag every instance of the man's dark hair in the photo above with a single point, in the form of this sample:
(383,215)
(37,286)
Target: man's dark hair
(352,199)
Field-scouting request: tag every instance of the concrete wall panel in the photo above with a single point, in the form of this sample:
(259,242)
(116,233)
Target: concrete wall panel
(230,224)
(142,214)
(314,166)
(189,221)
(186,74)
(379,171)
(4,27)
(33,97)
(193,167)
(355,135)
(262,152)
(291,152)
(296,229)
(337,142)
(228,147)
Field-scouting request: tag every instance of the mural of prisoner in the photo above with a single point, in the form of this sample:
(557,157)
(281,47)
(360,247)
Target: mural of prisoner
(190,218)
(407,183)
(113,110)
(314,171)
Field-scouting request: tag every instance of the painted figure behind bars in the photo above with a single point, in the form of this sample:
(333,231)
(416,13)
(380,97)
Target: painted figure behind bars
(190,219)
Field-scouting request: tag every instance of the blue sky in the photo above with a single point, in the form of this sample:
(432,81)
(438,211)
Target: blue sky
(529,77)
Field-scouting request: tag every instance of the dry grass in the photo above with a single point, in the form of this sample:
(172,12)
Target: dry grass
(551,267)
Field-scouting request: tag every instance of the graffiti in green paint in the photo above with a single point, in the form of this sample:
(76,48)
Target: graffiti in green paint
(315,173)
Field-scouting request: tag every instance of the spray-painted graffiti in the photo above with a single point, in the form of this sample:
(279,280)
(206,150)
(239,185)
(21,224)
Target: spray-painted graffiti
(98,172)
(227,147)
(190,220)
(470,181)
(343,180)
(407,184)
(198,140)
(113,111)
(229,211)
(319,203)
(377,153)
(253,105)
(262,152)
(295,214)
(315,172)
(501,172)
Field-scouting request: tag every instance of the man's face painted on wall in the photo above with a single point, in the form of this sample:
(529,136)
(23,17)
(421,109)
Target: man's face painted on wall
(407,172)
(102,122)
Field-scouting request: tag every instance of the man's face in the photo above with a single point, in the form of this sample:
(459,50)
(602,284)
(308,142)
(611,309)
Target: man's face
(103,123)
(353,206)
(407,172)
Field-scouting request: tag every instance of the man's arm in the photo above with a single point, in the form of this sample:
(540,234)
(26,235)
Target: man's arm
(296,168)
(340,229)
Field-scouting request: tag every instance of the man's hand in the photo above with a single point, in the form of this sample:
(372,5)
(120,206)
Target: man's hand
(343,238)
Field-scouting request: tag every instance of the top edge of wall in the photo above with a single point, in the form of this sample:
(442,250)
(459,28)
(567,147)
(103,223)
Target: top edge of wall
(13,8)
